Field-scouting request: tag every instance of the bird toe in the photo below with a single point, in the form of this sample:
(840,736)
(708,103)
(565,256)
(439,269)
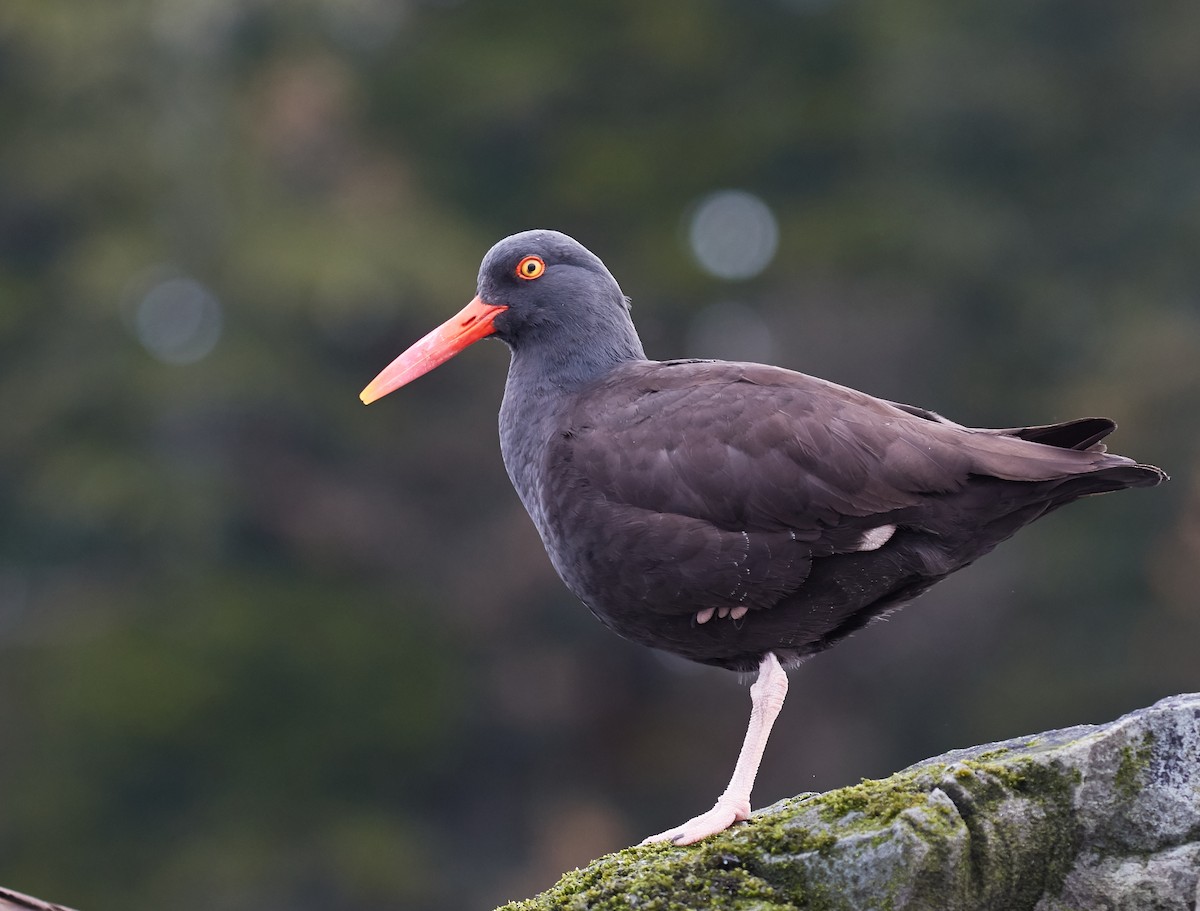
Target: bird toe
(718,819)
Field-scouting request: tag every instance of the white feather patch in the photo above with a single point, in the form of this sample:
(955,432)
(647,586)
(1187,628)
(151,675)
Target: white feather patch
(875,538)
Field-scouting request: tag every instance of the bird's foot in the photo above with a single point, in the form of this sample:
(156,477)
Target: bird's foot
(726,812)
(736,613)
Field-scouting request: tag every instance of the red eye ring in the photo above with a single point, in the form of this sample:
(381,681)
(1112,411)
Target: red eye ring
(531,267)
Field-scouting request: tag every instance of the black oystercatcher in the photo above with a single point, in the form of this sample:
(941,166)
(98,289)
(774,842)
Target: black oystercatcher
(736,514)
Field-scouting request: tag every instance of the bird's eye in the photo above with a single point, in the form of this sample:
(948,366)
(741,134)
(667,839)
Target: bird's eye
(531,267)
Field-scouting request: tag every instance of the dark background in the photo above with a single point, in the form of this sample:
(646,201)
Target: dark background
(261,647)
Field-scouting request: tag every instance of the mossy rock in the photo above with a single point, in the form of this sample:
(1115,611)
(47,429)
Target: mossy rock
(1088,817)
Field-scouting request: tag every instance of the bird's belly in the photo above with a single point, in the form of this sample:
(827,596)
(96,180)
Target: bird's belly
(620,560)
(647,578)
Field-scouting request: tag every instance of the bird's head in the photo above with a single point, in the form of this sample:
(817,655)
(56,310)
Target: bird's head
(536,289)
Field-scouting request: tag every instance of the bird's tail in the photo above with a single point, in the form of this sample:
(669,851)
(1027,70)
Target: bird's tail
(1071,453)
(1083,435)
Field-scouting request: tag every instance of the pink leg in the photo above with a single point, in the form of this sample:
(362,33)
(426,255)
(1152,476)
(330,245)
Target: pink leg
(766,697)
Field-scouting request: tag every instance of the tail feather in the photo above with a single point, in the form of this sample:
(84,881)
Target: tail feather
(1072,449)
(1083,434)
(1117,477)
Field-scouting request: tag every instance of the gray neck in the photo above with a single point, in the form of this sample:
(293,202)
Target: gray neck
(537,395)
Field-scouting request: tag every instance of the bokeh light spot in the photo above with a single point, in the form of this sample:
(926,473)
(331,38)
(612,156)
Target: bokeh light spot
(733,234)
(178,321)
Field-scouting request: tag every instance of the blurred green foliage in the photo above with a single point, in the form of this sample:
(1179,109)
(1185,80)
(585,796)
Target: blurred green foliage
(261,647)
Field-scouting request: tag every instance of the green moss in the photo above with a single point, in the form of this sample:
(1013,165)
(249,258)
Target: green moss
(994,754)
(777,837)
(718,873)
(776,861)
(1017,859)
(1130,774)
(879,801)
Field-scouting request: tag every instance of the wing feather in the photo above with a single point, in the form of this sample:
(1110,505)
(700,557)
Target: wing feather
(743,474)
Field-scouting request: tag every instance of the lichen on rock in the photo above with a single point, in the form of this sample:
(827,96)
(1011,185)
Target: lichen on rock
(1101,816)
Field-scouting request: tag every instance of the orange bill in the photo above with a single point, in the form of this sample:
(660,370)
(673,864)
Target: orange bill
(466,327)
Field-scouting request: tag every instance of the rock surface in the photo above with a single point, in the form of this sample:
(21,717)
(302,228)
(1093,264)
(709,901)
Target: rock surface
(1087,818)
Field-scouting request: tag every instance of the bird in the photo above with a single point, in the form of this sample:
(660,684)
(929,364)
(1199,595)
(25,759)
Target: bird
(735,514)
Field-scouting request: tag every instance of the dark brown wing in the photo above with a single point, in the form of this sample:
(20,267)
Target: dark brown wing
(749,447)
(686,485)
